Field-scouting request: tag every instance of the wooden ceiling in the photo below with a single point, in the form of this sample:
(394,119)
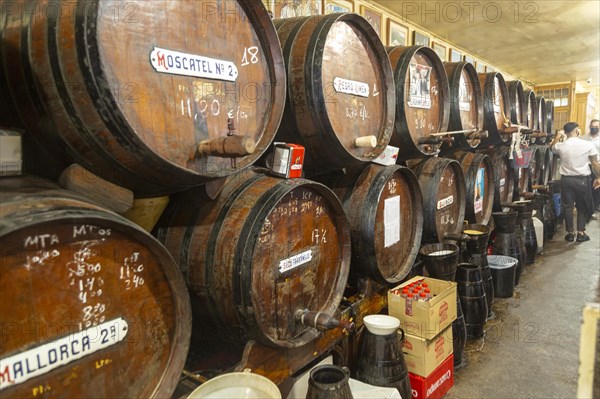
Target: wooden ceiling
(540,42)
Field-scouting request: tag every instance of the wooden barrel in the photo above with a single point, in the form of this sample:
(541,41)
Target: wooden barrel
(542,114)
(92,305)
(523,183)
(423,102)
(466,105)
(132,103)
(385,210)
(549,120)
(480,183)
(340,90)
(442,184)
(496,108)
(262,251)
(530,110)
(504,176)
(542,164)
(518,103)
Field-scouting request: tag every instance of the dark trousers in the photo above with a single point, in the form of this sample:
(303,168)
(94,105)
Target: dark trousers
(576,191)
(595,194)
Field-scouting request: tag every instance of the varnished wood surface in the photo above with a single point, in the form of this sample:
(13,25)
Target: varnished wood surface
(504,176)
(472,164)
(518,103)
(318,52)
(415,122)
(466,104)
(442,183)
(365,192)
(231,252)
(89,91)
(68,266)
(496,107)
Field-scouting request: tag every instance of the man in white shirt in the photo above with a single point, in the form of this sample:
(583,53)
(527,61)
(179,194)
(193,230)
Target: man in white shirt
(594,137)
(576,155)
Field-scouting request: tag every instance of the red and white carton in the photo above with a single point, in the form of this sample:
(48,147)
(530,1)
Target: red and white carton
(436,384)
(288,160)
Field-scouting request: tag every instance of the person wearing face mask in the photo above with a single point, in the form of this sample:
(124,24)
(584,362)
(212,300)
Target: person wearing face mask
(594,137)
(576,156)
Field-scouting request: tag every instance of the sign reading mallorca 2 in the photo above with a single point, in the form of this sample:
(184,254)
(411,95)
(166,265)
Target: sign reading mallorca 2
(42,359)
(178,63)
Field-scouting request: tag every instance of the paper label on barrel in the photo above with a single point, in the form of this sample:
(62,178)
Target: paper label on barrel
(351,87)
(391,221)
(441,204)
(42,359)
(178,63)
(295,261)
(479,190)
(497,95)
(502,182)
(420,86)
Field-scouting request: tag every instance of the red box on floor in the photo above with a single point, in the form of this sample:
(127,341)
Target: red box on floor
(436,384)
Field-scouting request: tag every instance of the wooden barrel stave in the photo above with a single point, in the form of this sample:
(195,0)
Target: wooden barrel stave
(415,119)
(496,108)
(443,187)
(366,193)
(117,117)
(466,104)
(230,250)
(94,268)
(320,115)
(518,103)
(504,176)
(480,184)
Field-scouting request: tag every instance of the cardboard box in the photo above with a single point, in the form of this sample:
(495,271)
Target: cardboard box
(423,356)
(288,160)
(435,385)
(429,318)
(389,156)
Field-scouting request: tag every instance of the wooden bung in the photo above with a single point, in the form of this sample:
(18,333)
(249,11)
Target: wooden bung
(366,142)
(227,146)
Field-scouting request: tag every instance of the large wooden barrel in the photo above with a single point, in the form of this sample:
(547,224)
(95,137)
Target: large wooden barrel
(92,305)
(523,184)
(423,102)
(549,119)
(262,251)
(541,120)
(130,95)
(496,108)
(340,89)
(504,176)
(385,210)
(442,184)
(530,109)
(480,183)
(545,164)
(518,104)
(466,105)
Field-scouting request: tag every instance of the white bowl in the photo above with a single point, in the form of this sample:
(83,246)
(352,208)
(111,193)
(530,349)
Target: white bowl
(380,324)
(237,385)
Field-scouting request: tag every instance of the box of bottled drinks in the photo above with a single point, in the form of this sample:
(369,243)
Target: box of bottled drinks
(422,356)
(425,306)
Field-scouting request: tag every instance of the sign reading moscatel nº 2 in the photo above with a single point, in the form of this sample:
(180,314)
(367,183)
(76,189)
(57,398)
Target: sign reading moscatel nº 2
(178,63)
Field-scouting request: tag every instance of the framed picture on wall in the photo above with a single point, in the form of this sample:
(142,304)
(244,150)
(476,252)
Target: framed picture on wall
(455,55)
(373,17)
(480,67)
(440,50)
(470,59)
(397,34)
(333,6)
(295,8)
(420,39)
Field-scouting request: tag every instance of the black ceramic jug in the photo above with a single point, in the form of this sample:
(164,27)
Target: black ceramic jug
(329,382)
